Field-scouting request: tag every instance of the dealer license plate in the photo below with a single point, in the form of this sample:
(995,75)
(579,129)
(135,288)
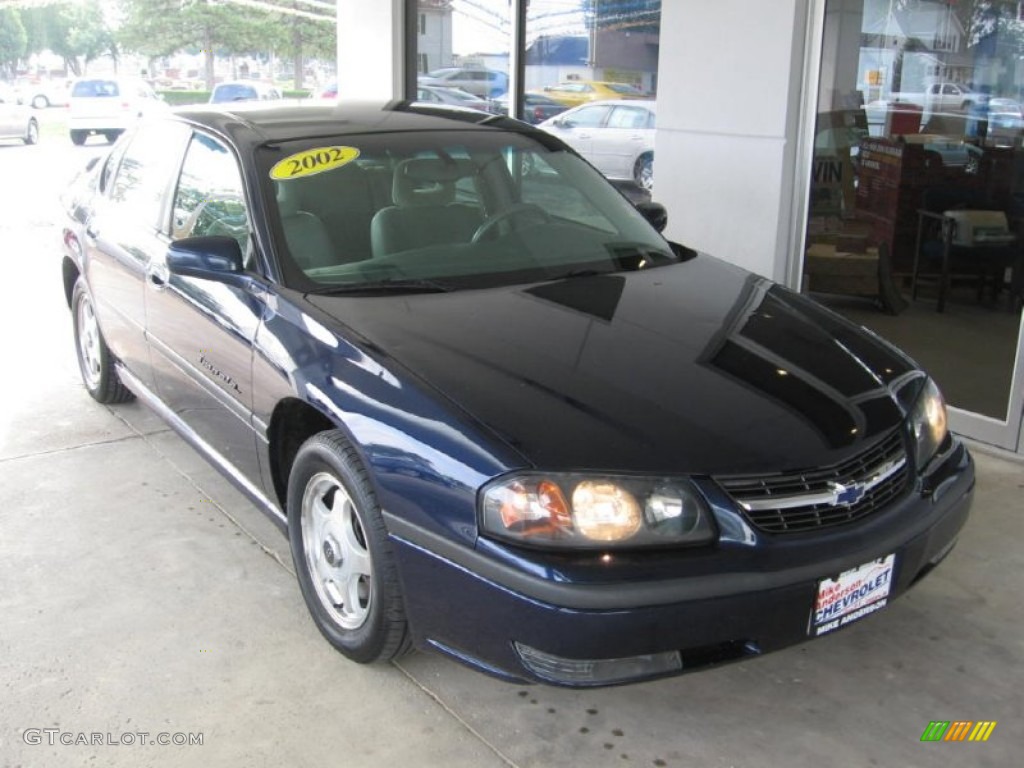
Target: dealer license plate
(852,595)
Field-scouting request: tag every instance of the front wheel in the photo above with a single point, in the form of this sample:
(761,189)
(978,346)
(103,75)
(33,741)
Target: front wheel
(111,136)
(40,102)
(94,359)
(78,137)
(32,134)
(343,560)
(643,172)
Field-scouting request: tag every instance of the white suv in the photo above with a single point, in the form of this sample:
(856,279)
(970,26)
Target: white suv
(108,105)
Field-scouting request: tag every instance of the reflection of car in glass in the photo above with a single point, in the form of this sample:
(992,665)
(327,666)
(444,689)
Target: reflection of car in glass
(329,91)
(243,90)
(455,97)
(109,105)
(16,120)
(616,136)
(497,413)
(577,92)
(536,108)
(485,83)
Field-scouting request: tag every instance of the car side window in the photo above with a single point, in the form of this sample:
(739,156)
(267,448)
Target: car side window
(145,172)
(210,199)
(628,117)
(110,167)
(590,117)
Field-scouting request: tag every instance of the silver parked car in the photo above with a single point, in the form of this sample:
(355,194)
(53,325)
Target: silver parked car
(616,136)
(16,120)
(452,97)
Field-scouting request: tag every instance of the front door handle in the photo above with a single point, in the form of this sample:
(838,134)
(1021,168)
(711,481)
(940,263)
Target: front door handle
(158,275)
(91,230)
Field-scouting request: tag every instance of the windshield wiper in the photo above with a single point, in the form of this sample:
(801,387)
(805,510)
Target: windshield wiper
(385,287)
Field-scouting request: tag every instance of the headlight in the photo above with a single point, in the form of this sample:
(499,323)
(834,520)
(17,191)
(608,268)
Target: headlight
(590,511)
(928,423)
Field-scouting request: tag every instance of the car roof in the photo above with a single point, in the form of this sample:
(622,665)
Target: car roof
(252,123)
(649,103)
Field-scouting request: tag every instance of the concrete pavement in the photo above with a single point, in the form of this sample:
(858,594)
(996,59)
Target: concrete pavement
(139,592)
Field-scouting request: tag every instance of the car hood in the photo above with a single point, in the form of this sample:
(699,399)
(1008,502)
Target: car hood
(697,367)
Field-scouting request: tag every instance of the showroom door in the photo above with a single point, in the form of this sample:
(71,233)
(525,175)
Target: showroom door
(916,205)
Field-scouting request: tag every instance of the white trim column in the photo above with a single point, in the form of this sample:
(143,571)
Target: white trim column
(730,75)
(371,49)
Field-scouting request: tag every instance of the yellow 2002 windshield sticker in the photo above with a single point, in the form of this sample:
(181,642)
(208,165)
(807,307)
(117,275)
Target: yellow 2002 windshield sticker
(313,161)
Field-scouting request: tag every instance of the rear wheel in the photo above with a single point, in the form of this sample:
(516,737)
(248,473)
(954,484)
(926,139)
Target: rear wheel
(78,138)
(94,359)
(32,134)
(643,171)
(111,136)
(343,559)
(40,102)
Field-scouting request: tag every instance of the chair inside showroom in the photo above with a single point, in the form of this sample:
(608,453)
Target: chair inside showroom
(306,235)
(962,236)
(424,212)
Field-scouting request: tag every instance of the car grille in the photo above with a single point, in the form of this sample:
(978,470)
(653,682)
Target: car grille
(800,501)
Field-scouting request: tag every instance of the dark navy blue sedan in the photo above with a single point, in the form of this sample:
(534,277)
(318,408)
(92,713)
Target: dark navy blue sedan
(498,414)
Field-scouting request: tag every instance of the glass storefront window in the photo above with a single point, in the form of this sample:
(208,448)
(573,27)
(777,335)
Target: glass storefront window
(916,207)
(583,52)
(579,55)
(462,48)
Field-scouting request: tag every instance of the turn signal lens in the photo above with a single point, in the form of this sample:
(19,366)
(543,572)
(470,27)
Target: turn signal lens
(537,510)
(574,510)
(604,511)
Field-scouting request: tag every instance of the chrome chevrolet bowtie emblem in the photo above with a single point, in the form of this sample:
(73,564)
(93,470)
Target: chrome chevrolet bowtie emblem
(846,495)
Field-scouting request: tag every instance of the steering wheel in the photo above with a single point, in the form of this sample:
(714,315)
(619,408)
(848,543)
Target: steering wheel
(518,209)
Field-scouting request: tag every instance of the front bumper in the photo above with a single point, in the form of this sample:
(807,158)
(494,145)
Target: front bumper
(501,619)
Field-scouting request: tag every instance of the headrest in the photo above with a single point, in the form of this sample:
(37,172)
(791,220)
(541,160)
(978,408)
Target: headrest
(426,181)
(287,199)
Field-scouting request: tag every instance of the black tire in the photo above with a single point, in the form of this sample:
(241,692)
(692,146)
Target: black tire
(40,102)
(95,362)
(111,136)
(78,137)
(32,134)
(328,476)
(643,172)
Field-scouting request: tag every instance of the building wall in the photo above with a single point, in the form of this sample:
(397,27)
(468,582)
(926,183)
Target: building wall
(730,75)
(434,30)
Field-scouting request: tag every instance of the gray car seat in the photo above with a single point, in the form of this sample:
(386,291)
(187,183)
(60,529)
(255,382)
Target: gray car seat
(423,214)
(305,234)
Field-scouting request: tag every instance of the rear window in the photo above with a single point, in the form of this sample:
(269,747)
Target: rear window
(625,90)
(234,92)
(95,88)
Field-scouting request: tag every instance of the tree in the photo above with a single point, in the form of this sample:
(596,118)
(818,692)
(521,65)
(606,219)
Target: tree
(77,32)
(309,38)
(161,27)
(13,39)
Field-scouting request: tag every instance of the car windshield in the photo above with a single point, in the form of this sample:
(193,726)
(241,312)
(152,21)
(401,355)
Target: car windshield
(446,210)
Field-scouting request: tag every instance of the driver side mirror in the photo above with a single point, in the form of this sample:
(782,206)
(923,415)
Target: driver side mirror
(216,258)
(655,214)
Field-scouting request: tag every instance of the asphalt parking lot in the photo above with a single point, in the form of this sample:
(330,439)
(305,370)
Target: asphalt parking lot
(140,593)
